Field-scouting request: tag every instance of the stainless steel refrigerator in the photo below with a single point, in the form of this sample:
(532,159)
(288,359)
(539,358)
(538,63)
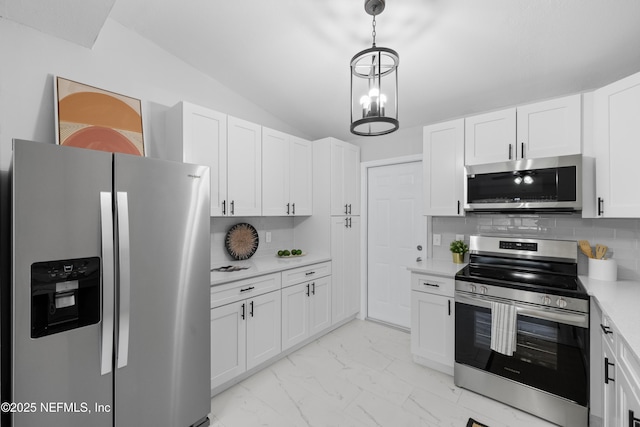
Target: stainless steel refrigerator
(109,322)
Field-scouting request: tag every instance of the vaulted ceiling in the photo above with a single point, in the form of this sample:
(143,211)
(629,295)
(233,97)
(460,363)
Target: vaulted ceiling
(291,57)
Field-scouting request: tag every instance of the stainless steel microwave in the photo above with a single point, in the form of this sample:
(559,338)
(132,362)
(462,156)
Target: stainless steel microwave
(551,184)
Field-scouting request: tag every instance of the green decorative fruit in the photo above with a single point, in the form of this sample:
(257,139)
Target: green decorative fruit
(280,253)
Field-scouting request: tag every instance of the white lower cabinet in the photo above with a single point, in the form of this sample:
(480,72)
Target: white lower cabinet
(432,321)
(244,334)
(345,267)
(306,310)
(615,378)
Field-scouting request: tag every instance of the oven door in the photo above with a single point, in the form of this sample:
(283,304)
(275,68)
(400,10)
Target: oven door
(552,348)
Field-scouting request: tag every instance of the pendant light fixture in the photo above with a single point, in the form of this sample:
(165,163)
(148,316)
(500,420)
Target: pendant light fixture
(374,85)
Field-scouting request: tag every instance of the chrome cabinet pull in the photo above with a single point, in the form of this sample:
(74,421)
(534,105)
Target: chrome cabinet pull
(307,289)
(449,301)
(287,208)
(247,289)
(242,315)
(224,207)
(509,151)
(313,288)
(293,209)
(233,208)
(309,273)
(433,285)
(522,150)
(251,312)
(346,212)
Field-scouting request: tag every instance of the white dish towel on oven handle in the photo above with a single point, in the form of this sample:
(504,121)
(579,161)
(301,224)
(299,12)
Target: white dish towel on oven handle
(504,319)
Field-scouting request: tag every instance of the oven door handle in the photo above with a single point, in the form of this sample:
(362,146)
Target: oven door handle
(549,314)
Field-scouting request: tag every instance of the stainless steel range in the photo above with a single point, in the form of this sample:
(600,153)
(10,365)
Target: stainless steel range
(522,327)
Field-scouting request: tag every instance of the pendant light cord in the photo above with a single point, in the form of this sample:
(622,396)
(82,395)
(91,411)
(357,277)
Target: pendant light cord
(373,32)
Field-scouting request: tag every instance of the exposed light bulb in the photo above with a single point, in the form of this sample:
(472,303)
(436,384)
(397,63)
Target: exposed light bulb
(518,180)
(528,179)
(374,91)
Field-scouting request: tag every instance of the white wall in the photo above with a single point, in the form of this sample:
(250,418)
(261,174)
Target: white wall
(120,61)
(403,142)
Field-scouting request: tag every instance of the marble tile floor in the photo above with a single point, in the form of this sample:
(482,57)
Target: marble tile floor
(361,374)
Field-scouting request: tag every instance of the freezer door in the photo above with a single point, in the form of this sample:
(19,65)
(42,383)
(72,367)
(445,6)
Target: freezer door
(56,215)
(163,353)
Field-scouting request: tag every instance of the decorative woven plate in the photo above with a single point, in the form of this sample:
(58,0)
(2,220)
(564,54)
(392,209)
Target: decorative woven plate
(241,241)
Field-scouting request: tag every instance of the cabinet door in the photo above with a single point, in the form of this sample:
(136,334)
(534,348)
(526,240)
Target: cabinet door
(275,173)
(320,305)
(244,168)
(432,327)
(443,163)
(490,137)
(352,178)
(301,173)
(617,130)
(628,401)
(549,128)
(263,328)
(338,268)
(338,203)
(202,135)
(228,342)
(352,266)
(295,315)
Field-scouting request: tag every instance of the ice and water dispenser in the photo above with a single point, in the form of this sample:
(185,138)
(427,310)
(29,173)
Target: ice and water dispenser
(65,295)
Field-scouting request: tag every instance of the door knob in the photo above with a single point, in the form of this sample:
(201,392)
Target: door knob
(419,247)
(419,259)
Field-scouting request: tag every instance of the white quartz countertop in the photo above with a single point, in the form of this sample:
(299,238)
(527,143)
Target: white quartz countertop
(436,267)
(263,265)
(620,300)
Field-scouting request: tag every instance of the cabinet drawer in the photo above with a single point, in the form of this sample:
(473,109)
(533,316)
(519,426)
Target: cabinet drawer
(436,285)
(235,291)
(303,274)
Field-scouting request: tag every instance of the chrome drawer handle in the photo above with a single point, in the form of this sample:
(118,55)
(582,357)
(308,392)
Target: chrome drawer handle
(247,289)
(309,273)
(433,285)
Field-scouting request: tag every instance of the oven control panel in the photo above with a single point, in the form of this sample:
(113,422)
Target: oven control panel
(520,246)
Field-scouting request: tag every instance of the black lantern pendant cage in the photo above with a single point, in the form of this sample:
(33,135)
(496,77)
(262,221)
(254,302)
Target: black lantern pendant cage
(374,85)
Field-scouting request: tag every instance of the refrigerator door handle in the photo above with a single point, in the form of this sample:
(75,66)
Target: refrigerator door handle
(124,279)
(108,284)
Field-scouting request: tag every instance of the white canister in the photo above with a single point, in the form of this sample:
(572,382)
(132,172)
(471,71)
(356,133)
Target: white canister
(603,269)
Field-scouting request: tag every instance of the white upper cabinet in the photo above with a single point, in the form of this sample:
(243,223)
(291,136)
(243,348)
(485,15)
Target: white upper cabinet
(443,163)
(543,129)
(345,178)
(198,135)
(286,174)
(617,147)
(232,148)
(244,168)
(490,137)
(550,128)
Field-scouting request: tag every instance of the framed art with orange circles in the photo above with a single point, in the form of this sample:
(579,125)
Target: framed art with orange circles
(97,119)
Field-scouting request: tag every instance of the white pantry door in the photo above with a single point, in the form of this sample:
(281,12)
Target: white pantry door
(396,227)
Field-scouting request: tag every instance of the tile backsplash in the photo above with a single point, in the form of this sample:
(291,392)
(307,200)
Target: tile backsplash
(620,235)
(281,229)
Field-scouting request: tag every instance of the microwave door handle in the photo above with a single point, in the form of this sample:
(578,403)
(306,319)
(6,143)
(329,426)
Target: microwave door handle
(108,282)
(125,279)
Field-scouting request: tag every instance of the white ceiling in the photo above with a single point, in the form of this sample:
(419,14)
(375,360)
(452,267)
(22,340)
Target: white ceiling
(457,57)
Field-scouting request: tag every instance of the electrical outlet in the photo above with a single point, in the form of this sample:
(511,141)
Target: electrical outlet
(437,239)
(460,237)
(267,236)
